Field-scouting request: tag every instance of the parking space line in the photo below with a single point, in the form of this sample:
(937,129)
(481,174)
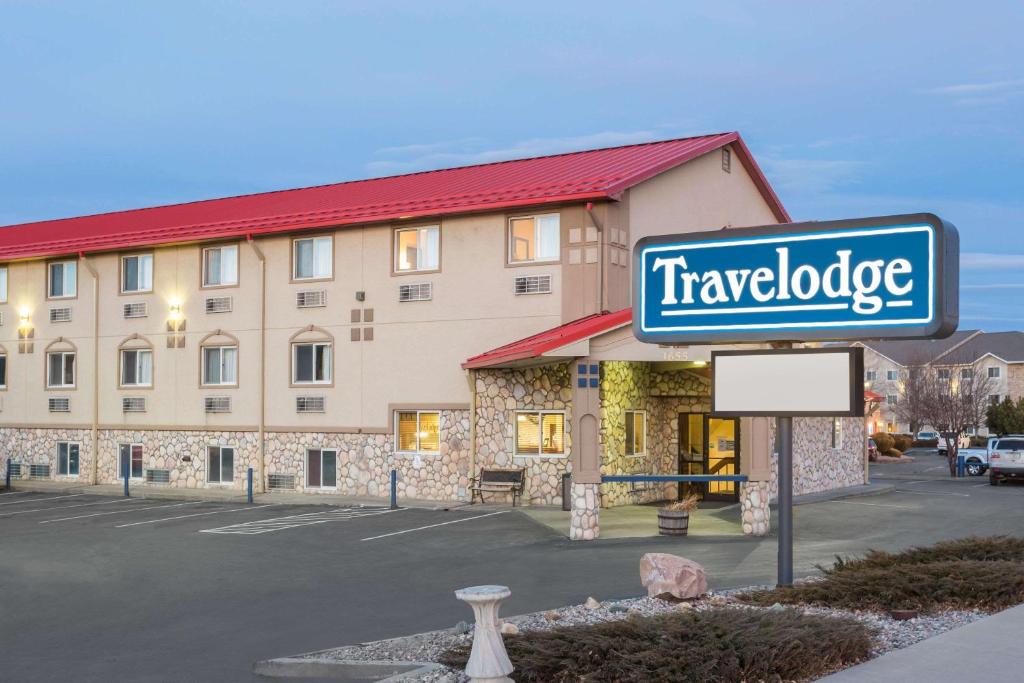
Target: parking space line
(875,505)
(37,500)
(197,514)
(934,493)
(431,526)
(263,526)
(64,507)
(14,493)
(119,512)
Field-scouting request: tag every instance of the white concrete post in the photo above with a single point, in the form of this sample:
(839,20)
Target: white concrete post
(488,661)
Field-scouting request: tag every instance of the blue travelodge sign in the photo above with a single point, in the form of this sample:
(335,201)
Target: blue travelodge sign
(874,278)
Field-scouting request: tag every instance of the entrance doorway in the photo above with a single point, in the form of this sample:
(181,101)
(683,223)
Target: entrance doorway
(709,445)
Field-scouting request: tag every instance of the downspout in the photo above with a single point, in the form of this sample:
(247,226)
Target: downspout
(600,257)
(261,487)
(472,424)
(95,367)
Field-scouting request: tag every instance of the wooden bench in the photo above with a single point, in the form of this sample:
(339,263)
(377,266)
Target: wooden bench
(499,480)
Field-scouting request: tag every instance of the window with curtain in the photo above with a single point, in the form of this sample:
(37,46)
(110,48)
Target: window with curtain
(540,433)
(418,431)
(63,280)
(220,365)
(311,363)
(220,266)
(417,249)
(137,273)
(220,464)
(60,369)
(136,367)
(313,258)
(321,468)
(534,238)
(636,432)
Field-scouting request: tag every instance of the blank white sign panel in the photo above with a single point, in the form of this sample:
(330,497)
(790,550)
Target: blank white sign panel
(781,383)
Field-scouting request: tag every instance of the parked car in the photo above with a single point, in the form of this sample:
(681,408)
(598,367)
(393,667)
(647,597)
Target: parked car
(928,436)
(1006,458)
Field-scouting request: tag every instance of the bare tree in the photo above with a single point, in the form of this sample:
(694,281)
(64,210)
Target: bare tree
(912,406)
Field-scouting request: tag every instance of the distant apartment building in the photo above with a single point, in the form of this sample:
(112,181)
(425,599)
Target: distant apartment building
(998,356)
(434,323)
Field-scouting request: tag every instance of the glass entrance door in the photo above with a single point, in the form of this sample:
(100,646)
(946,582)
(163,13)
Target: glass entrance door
(708,445)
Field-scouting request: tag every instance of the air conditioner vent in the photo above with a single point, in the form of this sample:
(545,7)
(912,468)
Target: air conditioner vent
(281,482)
(533,284)
(39,471)
(15,469)
(217,404)
(60,315)
(136,309)
(60,405)
(311,298)
(418,291)
(218,304)
(158,476)
(133,404)
(309,404)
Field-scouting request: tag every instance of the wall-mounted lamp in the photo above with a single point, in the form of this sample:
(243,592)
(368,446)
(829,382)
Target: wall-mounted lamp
(25,331)
(175,326)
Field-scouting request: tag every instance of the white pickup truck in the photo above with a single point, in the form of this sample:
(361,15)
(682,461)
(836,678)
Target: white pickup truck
(977,460)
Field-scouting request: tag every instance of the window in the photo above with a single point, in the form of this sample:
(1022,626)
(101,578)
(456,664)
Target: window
(313,258)
(1010,445)
(994,398)
(3,370)
(636,432)
(130,455)
(220,464)
(870,375)
(220,365)
(311,363)
(417,249)
(60,369)
(533,238)
(944,373)
(892,375)
(63,280)
(540,433)
(137,273)
(891,428)
(136,368)
(837,432)
(418,431)
(321,468)
(67,458)
(966,374)
(993,373)
(3,284)
(220,266)
(892,399)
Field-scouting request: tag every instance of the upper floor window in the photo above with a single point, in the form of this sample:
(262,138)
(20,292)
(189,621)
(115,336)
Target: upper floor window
(994,398)
(313,258)
(870,375)
(418,431)
(892,375)
(136,367)
(417,249)
(534,238)
(137,273)
(892,399)
(944,373)
(220,365)
(220,266)
(966,373)
(636,432)
(3,284)
(62,280)
(311,363)
(993,372)
(60,369)
(540,433)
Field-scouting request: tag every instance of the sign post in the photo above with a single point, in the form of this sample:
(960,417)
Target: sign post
(890,277)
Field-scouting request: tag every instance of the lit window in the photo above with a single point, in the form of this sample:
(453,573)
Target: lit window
(220,266)
(837,432)
(636,432)
(220,464)
(321,468)
(993,373)
(60,369)
(220,365)
(3,284)
(67,458)
(313,258)
(311,363)
(130,457)
(540,433)
(136,367)
(137,273)
(417,249)
(534,238)
(63,280)
(418,431)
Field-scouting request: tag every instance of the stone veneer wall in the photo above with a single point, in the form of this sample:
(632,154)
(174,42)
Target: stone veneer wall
(39,447)
(816,465)
(500,393)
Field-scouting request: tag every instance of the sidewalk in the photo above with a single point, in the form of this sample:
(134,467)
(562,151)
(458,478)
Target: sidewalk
(987,650)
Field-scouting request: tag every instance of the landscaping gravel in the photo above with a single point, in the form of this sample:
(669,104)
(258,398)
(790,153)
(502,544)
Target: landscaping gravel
(426,647)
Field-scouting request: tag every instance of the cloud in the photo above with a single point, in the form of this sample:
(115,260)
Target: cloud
(811,176)
(468,151)
(976,88)
(974,260)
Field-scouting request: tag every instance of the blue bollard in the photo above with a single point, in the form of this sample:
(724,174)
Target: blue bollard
(394,489)
(127,475)
(249,486)
(961,466)
(7,476)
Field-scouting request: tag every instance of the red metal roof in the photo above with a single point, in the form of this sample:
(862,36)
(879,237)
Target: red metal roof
(537,345)
(576,176)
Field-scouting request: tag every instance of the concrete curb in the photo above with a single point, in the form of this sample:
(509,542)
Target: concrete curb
(847,492)
(347,670)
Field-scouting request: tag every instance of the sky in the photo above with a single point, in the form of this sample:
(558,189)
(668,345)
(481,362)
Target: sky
(852,108)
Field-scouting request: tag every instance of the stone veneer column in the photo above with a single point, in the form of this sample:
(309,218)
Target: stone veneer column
(586,507)
(755,512)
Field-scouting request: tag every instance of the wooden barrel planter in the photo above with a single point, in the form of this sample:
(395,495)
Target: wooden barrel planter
(673,522)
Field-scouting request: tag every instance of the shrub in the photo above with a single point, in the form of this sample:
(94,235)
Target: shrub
(903,442)
(720,644)
(975,548)
(894,453)
(883,441)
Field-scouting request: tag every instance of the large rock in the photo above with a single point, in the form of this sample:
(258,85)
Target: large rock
(663,573)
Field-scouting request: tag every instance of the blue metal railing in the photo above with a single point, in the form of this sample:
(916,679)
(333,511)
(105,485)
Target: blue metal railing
(693,478)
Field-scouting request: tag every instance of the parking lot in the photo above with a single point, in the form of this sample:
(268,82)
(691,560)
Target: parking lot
(101,588)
